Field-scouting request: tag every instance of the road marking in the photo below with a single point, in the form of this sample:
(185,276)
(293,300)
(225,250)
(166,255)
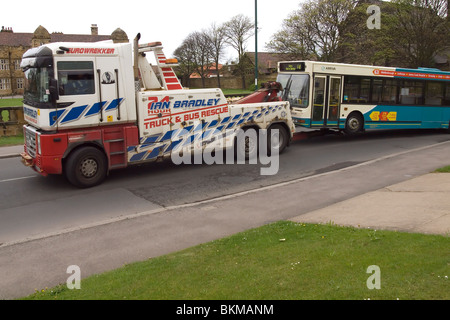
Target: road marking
(15,179)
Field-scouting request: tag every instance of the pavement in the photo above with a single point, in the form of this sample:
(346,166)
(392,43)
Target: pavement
(10,151)
(401,200)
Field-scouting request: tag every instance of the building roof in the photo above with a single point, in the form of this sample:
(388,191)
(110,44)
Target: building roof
(15,39)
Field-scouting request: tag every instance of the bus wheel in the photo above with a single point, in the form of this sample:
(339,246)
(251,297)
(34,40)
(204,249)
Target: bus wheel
(277,140)
(354,124)
(86,167)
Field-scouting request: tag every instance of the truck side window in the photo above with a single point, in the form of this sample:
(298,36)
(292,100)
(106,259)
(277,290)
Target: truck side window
(76,77)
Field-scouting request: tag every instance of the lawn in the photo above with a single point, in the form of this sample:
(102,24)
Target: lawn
(444,169)
(282,261)
(15,102)
(11,141)
(237,91)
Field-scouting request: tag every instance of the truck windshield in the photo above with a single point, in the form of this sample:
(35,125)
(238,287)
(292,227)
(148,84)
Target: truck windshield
(36,91)
(295,89)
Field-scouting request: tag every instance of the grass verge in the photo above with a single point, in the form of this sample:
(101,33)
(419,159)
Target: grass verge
(283,260)
(237,91)
(444,169)
(11,141)
(14,102)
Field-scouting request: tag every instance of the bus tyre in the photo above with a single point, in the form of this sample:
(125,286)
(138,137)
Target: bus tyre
(277,138)
(86,167)
(354,124)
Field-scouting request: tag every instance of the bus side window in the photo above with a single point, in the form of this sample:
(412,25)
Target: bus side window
(434,93)
(446,100)
(356,89)
(389,91)
(411,92)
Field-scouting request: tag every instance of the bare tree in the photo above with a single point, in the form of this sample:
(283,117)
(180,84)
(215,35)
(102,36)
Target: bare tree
(196,51)
(238,30)
(216,36)
(185,56)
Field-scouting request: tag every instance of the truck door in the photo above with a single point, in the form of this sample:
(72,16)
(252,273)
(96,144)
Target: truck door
(326,101)
(77,92)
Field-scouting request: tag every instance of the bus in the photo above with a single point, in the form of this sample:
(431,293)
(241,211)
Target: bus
(353,98)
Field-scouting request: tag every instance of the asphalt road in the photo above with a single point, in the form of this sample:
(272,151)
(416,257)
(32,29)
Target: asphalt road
(32,206)
(46,225)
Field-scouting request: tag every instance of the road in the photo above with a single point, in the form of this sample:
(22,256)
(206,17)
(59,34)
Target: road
(151,210)
(32,206)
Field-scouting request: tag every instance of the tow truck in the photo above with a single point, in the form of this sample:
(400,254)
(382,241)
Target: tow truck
(91,108)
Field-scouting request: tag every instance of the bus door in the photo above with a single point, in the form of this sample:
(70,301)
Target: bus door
(326,101)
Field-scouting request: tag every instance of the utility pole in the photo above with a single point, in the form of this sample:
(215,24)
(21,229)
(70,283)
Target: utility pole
(256,45)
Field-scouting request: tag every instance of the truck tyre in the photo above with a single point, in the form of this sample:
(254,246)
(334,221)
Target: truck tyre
(86,167)
(277,140)
(250,148)
(354,124)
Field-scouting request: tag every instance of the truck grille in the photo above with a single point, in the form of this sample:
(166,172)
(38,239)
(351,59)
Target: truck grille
(30,141)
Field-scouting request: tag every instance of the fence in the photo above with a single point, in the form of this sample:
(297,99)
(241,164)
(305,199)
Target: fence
(11,121)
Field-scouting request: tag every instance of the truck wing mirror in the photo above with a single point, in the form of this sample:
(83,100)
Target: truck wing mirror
(53,88)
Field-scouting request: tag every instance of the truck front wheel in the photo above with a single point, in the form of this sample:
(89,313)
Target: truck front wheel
(86,167)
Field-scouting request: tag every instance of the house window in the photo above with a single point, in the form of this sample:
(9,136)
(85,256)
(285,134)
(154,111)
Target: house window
(5,84)
(19,83)
(4,64)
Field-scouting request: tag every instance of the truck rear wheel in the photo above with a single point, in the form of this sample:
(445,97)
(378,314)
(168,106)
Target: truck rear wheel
(246,144)
(86,167)
(277,140)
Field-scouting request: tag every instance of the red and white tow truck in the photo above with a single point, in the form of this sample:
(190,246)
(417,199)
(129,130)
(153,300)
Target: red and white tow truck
(95,107)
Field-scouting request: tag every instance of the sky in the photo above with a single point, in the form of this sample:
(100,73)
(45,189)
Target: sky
(168,21)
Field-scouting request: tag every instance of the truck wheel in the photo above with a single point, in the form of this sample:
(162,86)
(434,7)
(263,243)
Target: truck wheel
(354,124)
(86,167)
(277,140)
(246,144)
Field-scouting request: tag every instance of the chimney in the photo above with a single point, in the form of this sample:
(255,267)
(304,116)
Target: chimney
(94,30)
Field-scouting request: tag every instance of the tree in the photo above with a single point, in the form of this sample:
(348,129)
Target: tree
(216,36)
(359,44)
(185,56)
(196,54)
(238,30)
(421,29)
(313,30)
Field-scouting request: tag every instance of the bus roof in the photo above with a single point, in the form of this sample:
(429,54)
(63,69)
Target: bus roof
(361,70)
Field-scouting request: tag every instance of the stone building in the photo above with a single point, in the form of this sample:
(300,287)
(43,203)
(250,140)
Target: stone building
(14,44)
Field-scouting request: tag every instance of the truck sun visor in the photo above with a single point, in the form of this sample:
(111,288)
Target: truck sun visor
(37,57)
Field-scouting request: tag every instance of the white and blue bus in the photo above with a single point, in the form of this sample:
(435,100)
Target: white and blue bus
(358,97)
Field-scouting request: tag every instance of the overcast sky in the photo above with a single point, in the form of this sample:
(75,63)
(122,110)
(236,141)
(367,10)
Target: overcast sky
(168,21)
